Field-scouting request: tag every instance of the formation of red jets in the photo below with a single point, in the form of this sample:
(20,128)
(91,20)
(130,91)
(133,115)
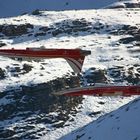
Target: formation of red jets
(75,58)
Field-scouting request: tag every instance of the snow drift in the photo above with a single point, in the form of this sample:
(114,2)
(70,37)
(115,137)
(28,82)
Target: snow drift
(117,125)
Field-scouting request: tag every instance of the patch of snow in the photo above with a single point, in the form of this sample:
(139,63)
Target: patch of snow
(119,124)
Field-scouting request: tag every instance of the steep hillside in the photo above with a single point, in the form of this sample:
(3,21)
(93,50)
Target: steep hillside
(121,124)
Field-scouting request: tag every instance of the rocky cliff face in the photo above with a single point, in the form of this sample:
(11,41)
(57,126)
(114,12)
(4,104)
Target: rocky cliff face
(36,105)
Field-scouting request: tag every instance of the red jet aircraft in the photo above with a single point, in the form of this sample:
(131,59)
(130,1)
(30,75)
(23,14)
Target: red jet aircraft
(74,57)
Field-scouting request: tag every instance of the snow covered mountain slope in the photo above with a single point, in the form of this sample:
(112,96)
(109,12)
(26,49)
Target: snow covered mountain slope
(121,124)
(28,110)
(16,7)
(113,40)
(92,109)
(125,4)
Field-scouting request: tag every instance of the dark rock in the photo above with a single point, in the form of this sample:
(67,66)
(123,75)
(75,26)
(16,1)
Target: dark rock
(58,125)
(69,27)
(97,28)
(132,79)
(2,94)
(40,34)
(8,110)
(125,29)
(14,69)
(13,30)
(132,5)
(36,12)
(2,44)
(96,76)
(28,25)
(120,74)
(57,32)
(131,30)
(6,133)
(17,69)
(80,23)
(117,6)
(16,30)
(1,27)
(72,27)
(131,27)
(27,68)
(68,30)
(138,70)
(115,72)
(137,37)
(45,29)
(101,103)
(95,113)
(30,34)
(2,74)
(127,40)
